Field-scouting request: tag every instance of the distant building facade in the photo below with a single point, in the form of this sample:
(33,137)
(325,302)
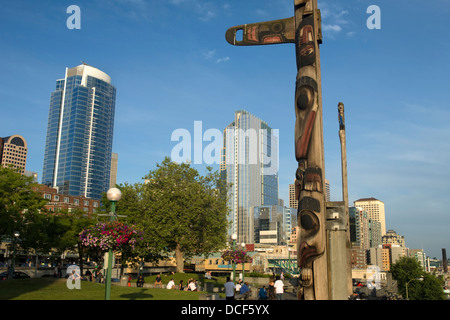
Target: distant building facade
(58,201)
(13,152)
(375,209)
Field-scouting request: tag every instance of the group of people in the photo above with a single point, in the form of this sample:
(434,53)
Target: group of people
(191,286)
(241,290)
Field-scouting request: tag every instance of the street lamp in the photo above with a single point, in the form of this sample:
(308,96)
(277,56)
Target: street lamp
(13,262)
(234,237)
(113,196)
(407,296)
(243,262)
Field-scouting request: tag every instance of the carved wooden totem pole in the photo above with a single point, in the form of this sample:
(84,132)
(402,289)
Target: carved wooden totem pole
(304,30)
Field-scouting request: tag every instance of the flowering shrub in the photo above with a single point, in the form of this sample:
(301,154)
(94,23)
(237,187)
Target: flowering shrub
(237,256)
(111,235)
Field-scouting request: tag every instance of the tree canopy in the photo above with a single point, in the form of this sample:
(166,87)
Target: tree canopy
(178,209)
(421,285)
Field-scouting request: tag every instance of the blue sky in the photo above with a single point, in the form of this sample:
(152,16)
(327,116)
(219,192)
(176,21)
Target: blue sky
(172,66)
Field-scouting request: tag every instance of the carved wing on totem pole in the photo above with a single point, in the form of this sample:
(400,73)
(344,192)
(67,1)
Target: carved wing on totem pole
(304,30)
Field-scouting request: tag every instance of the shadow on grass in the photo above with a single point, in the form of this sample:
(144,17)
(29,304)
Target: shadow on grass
(137,295)
(10,289)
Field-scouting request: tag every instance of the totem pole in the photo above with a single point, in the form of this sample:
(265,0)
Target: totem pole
(304,30)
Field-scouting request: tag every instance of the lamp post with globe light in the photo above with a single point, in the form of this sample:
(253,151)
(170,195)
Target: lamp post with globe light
(113,196)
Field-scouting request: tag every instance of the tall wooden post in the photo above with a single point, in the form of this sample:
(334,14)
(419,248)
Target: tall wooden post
(342,139)
(304,30)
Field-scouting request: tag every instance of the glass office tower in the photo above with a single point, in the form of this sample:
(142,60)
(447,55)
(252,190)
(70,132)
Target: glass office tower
(249,162)
(77,159)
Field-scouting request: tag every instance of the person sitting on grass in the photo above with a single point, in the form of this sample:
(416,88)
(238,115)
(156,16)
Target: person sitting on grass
(192,286)
(262,293)
(158,281)
(140,281)
(245,291)
(171,284)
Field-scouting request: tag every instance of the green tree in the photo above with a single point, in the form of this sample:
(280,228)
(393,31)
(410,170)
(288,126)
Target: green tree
(19,203)
(178,209)
(421,285)
(130,209)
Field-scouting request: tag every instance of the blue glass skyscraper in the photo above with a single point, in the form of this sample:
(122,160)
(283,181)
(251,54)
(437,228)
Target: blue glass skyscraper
(77,159)
(249,162)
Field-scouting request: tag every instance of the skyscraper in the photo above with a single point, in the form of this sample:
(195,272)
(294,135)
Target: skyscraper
(13,152)
(293,201)
(77,159)
(249,161)
(375,210)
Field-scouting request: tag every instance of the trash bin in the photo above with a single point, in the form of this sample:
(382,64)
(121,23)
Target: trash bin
(124,280)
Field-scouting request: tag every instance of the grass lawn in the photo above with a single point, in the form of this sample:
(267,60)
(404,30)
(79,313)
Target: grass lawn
(56,289)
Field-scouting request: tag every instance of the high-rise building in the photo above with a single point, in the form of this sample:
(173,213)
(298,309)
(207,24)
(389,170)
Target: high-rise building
(374,209)
(293,201)
(114,165)
(77,159)
(13,152)
(249,161)
(327,190)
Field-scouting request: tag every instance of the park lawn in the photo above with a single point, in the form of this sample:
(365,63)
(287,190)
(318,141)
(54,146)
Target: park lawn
(56,289)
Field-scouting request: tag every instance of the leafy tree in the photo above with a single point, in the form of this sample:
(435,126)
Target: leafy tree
(406,271)
(19,203)
(187,211)
(130,209)
(179,211)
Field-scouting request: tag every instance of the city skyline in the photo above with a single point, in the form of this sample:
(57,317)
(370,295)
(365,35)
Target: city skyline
(172,66)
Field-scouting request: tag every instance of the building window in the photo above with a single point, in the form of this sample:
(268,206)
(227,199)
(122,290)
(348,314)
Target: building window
(56,198)
(86,202)
(76,201)
(48,196)
(66,199)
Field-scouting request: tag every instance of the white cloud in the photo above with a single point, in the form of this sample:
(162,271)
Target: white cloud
(224,59)
(329,27)
(209,54)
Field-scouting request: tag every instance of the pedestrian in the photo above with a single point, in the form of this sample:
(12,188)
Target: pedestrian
(88,274)
(238,286)
(99,277)
(230,288)
(279,288)
(272,295)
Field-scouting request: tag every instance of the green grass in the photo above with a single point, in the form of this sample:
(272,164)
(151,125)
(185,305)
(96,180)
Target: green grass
(56,289)
(218,281)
